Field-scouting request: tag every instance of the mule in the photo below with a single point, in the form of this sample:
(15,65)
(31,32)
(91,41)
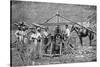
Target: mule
(83,32)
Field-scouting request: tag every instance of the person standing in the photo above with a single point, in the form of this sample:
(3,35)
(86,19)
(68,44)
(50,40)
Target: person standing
(20,35)
(21,32)
(67,31)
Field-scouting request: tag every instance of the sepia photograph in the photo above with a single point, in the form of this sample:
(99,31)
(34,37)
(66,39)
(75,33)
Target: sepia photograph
(45,33)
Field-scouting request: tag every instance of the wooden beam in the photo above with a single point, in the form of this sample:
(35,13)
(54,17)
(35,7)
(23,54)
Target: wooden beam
(60,49)
(55,24)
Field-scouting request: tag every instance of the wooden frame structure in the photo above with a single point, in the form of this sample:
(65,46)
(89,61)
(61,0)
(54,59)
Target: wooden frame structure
(55,24)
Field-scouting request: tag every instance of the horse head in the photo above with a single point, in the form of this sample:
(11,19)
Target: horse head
(72,28)
(75,28)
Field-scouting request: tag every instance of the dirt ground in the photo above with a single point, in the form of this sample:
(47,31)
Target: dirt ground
(82,54)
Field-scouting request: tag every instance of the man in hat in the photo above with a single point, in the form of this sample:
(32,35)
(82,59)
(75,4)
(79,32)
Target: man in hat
(45,32)
(67,31)
(21,35)
(35,37)
(21,32)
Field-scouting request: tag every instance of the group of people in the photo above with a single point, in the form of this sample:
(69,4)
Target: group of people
(33,32)
(33,36)
(36,34)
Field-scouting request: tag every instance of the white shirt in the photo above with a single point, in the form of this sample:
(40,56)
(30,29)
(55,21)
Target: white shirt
(35,35)
(45,33)
(67,31)
(20,33)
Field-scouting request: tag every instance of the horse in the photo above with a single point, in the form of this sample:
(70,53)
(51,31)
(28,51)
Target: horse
(83,32)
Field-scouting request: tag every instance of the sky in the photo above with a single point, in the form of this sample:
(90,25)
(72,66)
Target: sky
(39,12)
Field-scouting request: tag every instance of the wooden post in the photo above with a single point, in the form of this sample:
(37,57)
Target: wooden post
(60,49)
(40,50)
(51,49)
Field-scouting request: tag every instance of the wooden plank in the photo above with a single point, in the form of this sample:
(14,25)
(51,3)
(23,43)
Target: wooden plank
(60,49)
(55,24)
(38,25)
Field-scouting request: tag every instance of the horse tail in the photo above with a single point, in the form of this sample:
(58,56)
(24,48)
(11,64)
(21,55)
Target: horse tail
(91,35)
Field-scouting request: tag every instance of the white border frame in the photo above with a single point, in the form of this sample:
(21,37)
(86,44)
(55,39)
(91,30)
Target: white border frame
(5,32)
